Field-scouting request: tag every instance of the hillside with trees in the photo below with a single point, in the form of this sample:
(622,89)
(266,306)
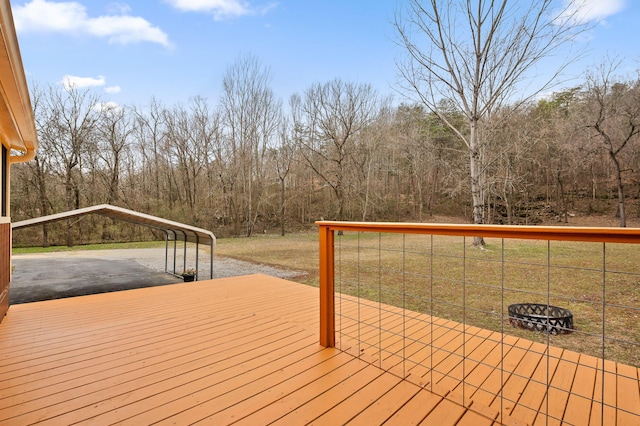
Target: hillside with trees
(244,165)
(467,146)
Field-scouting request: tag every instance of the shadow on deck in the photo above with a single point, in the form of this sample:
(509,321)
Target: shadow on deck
(241,349)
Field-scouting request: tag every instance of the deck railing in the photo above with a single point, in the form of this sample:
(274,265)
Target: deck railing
(422,301)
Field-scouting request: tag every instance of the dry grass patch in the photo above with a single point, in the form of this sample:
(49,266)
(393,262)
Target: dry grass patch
(294,251)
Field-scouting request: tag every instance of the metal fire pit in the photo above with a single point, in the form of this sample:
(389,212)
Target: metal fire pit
(539,317)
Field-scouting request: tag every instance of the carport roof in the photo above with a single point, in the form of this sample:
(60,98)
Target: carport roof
(174,230)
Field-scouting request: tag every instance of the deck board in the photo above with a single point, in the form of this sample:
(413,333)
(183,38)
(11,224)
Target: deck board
(245,350)
(317,406)
(386,405)
(358,401)
(294,398)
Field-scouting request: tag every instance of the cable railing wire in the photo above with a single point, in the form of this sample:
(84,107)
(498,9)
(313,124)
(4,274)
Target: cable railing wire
(418,295)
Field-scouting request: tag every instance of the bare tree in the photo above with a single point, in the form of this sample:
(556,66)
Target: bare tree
(115,129)
(513,162)
(66,122)
(365,155)
(189,134)
(431,152)
(613,114)
(207,130)
(251,114)
(283,157)
(40,167)
(327,122)
(476,54)
(562,151)
(149,137)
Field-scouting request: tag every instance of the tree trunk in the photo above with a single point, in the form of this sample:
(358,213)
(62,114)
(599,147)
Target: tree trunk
(476,170)
(623,217)
(45,235)
(44,206)
(340,195)
(69,200)
(283,210)
(562,200)
(366,194)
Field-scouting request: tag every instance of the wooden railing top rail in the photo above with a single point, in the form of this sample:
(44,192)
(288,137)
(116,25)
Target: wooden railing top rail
(546,233)
(562,233)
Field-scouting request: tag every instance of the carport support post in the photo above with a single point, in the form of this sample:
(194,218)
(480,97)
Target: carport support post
(175,248)
(197,254)
(184,252)
(166,251)
(211,260)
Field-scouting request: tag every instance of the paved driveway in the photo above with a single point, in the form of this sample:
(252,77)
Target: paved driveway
(44,276)
(56,275)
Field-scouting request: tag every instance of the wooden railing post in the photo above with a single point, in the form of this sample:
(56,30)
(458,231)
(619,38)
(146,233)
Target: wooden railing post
(5,266)
(327,297)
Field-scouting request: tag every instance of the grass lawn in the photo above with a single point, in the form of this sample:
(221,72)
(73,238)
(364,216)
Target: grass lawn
(105,246)
(294,251)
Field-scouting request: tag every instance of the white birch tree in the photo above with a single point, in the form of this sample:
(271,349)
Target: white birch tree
(476,53)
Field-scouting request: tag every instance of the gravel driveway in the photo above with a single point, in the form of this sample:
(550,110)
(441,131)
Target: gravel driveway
(44,276)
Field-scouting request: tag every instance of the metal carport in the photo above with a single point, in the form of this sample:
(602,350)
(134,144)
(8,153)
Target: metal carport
(173,231)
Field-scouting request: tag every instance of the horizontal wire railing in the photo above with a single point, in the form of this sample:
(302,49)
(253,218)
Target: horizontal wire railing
(422,302)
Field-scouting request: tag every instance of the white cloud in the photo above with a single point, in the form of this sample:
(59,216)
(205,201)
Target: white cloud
(71,18)
(126,29)
(74,82)
(220,9)
(106,106)
(71,81)
(583,11)
(119,8)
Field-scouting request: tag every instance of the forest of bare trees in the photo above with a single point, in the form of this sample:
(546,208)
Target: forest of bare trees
(249,163)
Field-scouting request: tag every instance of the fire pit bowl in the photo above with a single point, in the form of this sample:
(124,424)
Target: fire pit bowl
(540,317)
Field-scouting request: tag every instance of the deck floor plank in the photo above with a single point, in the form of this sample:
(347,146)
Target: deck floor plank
(346,410)
(495,379)
(555,402)
(533,395)
(264,396)
(604,414)
(578,410)
(472,418)
(628,394)
(199,405)
(450,371)
(478,375)
(99,376)
(301,396)
(131,348)
(213,384)
(133,395)
(387,404)
(479,348)
(416,409)
(425,370)
(246,349)
(317,406)
(517,382)
(445,413)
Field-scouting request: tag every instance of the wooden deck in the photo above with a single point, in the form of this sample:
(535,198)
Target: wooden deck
(246,350)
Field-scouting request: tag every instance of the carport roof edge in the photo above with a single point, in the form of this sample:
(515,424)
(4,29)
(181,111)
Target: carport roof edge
(180,231)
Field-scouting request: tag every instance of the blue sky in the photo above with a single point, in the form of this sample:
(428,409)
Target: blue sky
(176,49)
